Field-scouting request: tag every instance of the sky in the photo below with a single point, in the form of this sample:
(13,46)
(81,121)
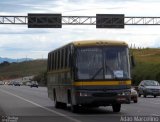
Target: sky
(19,41)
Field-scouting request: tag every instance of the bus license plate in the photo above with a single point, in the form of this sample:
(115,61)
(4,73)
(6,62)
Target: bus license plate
(121,99)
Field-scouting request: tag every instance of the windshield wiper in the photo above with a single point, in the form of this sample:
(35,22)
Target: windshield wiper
(97,72)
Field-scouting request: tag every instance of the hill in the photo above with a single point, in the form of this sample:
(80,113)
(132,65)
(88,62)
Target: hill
(147,67)
(148,55)
(147,64)
(10,60)
(27,68)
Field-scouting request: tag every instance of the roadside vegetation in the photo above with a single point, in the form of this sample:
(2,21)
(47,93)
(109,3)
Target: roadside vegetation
(147,67)
(21,69)
(41,78)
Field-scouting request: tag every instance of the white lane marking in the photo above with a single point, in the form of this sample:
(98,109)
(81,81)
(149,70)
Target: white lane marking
(158,100)
(155,114)
(123,109)
(154,103)
(47,109)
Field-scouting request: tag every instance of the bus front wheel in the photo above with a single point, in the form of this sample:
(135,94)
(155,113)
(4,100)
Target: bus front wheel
(74,108)
(116,107)
(57,104)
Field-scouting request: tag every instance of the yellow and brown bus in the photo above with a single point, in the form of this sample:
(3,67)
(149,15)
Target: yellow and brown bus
(90,73)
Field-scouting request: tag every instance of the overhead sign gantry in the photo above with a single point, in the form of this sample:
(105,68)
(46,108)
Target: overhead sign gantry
(57,20)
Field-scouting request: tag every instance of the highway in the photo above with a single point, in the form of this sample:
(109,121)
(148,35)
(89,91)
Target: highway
(32,104)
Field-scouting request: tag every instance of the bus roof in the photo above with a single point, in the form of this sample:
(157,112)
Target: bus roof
(99,42)
(94,43)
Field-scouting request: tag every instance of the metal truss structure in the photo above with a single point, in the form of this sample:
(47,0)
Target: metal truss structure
(79,20)
(13,19)
(83,20)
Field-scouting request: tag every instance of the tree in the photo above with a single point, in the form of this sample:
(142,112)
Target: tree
(41,78)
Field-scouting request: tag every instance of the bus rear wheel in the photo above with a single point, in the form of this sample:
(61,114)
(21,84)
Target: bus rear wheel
(57,104)
(74,108)
(116,107)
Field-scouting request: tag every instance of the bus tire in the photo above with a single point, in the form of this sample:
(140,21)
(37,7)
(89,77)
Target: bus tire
(56,103)
(116,107)
(74,108)
(69,96)
(60,105)
(139,95)
(135,101)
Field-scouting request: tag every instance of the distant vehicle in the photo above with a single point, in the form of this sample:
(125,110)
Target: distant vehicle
(149,87)
(1,83)
(28,84)
(134,95)
(10,83)
(34,84)
(16,83)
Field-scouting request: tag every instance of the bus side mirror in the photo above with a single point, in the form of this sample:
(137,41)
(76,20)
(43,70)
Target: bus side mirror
(76,70)
(133,61)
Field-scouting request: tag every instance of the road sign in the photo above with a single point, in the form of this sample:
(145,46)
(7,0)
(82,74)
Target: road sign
(110,21)
(101,20)
(44,20)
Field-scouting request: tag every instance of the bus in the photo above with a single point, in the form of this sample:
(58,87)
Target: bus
(90,73)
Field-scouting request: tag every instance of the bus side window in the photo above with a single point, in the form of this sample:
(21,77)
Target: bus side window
(49,62)
(64,61)
(66,57)
(52,61)
(62,58)
(56,60)
(69,57)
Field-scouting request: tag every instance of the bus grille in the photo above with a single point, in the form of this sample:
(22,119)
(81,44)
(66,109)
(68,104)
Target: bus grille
(104,94)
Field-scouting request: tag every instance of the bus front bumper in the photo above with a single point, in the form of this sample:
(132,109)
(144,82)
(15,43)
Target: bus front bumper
(103,98)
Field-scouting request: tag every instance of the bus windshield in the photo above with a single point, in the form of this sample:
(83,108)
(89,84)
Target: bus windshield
(100,63)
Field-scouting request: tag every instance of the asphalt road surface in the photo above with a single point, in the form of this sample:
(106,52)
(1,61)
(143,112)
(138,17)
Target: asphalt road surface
(25,104)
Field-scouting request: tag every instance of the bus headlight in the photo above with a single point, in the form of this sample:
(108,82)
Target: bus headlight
(83,94)
(124,93)
(134,93)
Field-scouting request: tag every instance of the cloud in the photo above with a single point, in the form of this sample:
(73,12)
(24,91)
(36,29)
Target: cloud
(25,6)
(19,41)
